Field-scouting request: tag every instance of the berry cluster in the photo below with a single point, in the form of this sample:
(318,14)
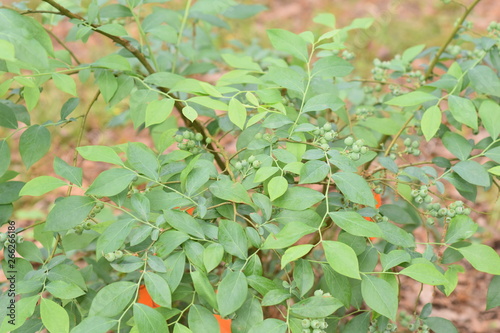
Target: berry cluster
(315,325)
(87,224)
(250,162)
(389,328)
(6,242)
(191,142)
(324,135)
(362,112)
(454,209)
(112,256)
(413,325)
(494,28)
(355,149)
(348,55)
(412,147)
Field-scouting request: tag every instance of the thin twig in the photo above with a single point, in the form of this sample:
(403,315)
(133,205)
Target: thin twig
(64,45)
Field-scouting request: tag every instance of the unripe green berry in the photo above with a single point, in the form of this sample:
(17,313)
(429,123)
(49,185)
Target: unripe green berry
(198,137)
(364,150)
(415,144)
(19,239)
(318,292)
(92,215)
(392,156)
(78,228)
(306,330)
(100,205)
(414,193)
(323,141)
(267,137)
(419,199)
(430,221)
(191,144)
(466,211)
(209,140)
(355,156)
(256,164)
(87,225)
(356,148)
(359,142)
(316,131)
(436,206)
(317,330)
(251,159)
(306,323)
(3,237)
(238,166)
(348,141)
(416,152)
(182,146)
(407,142)
(118,254)
(186,135)
(110,256)
(315,323)
(325,146)
(427,199)
(257,136)
(423,192)
(328,136)
(442,211)
(377,190)
(433,213)
(324,325)
(321,131)
(459,210)
(327,127)
(179,138)
(451,213)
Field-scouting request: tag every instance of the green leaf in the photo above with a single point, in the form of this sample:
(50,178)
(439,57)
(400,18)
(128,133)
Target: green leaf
(277,186)
(143,160)
(31,96)
(54,317)
(240,61)
(113,61)
(64,290)
(342,258)
(7,116)
(114,236)
(108,84)
(426,273)
(412,52)
(493,297)
(270,325)
(472,172)
(232,292)
(331,66)
(394,258)
(201,320)
(411,99)
(295,252)
(483,79)
(379,295)
(395,235)
(493,154)
(41,185)
(303,276)
(237,113)
(204,288)
(495,170)
(275,296)
(64,83)
(481,257)
(360,323)
(113,29)
(264,173)
(4,156)
(158,289)
(323,102)
(440,325)
(232,237)
(34,144)
(184,222)
(158,111)
(355,224)
(111,300)
(463,110)
(71,173)
(291,233)
(227,190)
(148,319)
(316,307)
(212,256)
(287,78)
(355,188)
(94,324)
(313,172)
(431,120)
(338,285)
(298,198)
(190,113)
(100,154)
(24,309)
(9,191)
(457,145)
(327,19)
(249,315)
(111,182)
(179,328)
(289,42)
(489,111)
(169,241)
(460,227)
(59,219)
(7,51)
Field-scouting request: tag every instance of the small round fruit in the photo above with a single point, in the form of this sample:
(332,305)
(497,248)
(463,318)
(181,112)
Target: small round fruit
(318,292)
(392,156)
(430,221)
(415,144)
(416,152)
(251,159)
(407,142)
(87,225)
(19,239)
(315,323)
(186,135)
(182,146)
(466,211)
(238,166)
(191,143)
(208,141)
(118,254)
(179,138)
(328,136)
(244,163)
(414,193)
(3,237)
(99,205)
(419,199)
(364,150)
(327,127)
(110,256)
(355,156)
(356,148)
(325,146)
(256,164)
(377,190)
(306,323)
(359,142)
(348,141)
(198,137)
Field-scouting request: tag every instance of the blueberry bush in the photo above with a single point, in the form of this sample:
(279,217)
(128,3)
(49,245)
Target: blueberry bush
(285,196)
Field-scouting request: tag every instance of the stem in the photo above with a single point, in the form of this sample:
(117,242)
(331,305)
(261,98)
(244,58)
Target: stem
(428,73)
(398,134)
(181,32)
(72,55)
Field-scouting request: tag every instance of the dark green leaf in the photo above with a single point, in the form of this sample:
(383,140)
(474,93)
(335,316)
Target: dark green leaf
(342,258)
(7,117)
(338,285)
(316,307)
(411,99)
(111,182)
(34,144)
(460,227)
(4,156)
(463,110)
(158,289)
(394,258)
(71,173)
(331,66)
(275,296)
(113,299)
(440,325)
(201,320)
(59,219)
(184,222)
(426,273)
(9,191)
(142,160)
(295,252)
(298,198)
(291,233)
(64,290)
(313,172)
(249,315)
(457,145)
(322,102)
(148,320)
(227,190)
(379,295)
(355,188)
(482,257)
(169,241)
(493,297)
(94,324)
(232,292)
(204,288)
(355,224)
(395,235)
(289,42)
(100,154)
(114,236)
(232,237)
(303,276)
(472,172)
(484,80)
(489,111)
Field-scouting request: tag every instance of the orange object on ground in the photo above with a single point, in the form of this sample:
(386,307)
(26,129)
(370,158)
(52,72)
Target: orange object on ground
(224,324)
(145,298)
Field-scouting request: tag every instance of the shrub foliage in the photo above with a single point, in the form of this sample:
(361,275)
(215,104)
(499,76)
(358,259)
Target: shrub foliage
(306,225)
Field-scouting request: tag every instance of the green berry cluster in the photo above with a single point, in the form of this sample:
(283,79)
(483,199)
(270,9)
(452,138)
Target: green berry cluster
(363,112)
(416,75)
(389,328)
(348,55)
(355,149)
(190,141)
(87,224)
(454,209)
(412,147)
(112,256)
(381,218)
(4,239)
(324,135)
(250,162)
(494,28)
(421,195)
(315,325)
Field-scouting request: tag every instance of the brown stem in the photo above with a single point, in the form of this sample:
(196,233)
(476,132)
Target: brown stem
(428,72)
(64,45)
